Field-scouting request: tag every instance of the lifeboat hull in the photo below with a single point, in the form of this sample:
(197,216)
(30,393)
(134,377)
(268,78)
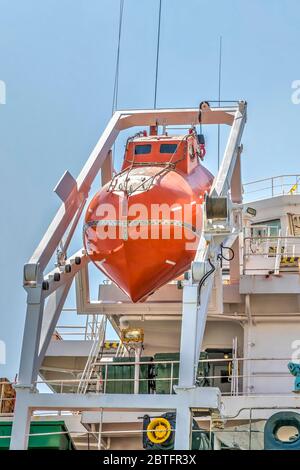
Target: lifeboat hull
(146,238)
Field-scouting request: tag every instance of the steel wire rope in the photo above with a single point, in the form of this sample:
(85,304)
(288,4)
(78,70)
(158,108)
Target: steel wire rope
(117,69)
(157,54)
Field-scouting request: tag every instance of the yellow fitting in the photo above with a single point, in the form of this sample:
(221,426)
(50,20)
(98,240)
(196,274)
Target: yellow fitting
(158,430)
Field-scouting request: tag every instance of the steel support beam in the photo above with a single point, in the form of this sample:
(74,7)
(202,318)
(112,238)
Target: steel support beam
(194,313)
(192,330)
(67,211)
(188,336)
(182,403)
(222,182)
(41,319)
(65,276)
(21,422)
(169,117)
(208,397)
(183,429)
(50,318)
(201,317)
(31,338)
(107,169)
(236,180)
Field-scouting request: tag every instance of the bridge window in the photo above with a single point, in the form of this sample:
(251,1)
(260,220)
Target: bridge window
(267,228)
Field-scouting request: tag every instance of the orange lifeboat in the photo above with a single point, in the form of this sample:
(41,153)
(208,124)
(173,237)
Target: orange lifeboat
(142,228)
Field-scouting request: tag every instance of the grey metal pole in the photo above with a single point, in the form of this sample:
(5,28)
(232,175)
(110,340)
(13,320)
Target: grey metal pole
(137,369)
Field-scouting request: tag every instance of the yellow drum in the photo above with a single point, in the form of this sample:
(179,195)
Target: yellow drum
(159,430)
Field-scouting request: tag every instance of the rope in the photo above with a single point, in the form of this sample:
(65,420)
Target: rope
(202,281)
(166,167)
(116,82)
(221,255)
(157,54)
(219,94)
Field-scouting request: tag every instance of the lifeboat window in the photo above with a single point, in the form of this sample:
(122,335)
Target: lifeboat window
(142,149)
(168,148)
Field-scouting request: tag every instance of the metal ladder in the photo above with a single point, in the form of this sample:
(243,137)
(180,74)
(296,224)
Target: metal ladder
(121,351)
(91,377)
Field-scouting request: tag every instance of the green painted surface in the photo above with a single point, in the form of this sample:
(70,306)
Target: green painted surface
(163,372)
(120,378)
(54,441)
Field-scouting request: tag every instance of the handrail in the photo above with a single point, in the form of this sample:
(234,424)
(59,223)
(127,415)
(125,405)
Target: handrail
(238,374)
(277,253)
(268,237)
(274,186)
(267,380)
(272,177)
(95,349)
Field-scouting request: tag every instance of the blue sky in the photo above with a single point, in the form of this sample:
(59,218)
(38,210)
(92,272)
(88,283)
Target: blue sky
(57,59)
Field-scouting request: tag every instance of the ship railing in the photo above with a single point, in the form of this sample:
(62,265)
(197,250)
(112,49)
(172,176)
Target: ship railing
(249,433)
(271,187)
(239,377)
(244,430)
(88,331)
(91,440)
(95,355)
(271,254)
(221,428)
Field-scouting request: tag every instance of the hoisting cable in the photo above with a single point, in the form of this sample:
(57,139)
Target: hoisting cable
(220,256)
(203,279)
(219,94)
(116,81)
(157,54)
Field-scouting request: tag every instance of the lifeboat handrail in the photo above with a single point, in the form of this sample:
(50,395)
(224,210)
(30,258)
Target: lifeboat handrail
(166,167)
(112,186)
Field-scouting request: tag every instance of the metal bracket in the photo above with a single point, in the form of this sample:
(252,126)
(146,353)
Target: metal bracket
(65,186)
